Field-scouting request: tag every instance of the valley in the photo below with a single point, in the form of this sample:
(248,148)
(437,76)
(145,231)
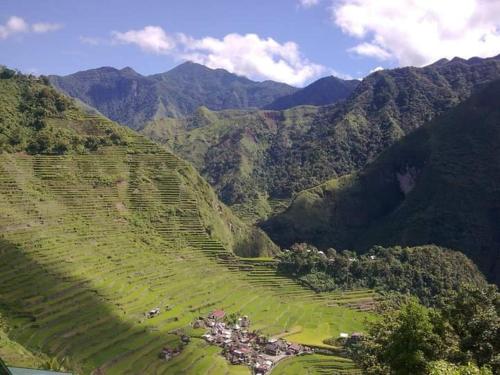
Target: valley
(86,251)
(231,206)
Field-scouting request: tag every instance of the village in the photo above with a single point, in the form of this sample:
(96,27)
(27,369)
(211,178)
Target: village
(245,347)
(240,345)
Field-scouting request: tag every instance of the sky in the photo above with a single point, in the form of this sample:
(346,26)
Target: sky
(292,41)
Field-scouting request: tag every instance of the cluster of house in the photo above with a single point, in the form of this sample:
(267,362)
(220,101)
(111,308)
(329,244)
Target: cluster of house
(242,346)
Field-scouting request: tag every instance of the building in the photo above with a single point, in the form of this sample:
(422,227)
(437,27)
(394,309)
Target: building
(276,348)
(217,315)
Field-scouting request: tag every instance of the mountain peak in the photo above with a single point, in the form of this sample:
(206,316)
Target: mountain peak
(128,70)
(324,91)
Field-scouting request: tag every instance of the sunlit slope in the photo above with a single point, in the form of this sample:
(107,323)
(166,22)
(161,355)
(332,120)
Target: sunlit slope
(90,242)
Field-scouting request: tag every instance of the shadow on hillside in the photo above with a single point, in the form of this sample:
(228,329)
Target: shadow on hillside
(63,317)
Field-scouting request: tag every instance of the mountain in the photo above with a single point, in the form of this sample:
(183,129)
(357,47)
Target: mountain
(99,225)
(324,91)
(131,99)
(122,95)
(250,156)
(437,185)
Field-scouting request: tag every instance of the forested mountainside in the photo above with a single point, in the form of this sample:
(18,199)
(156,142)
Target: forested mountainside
(438,185)
(250,155)
(132,99)
(92,238)
(324,91)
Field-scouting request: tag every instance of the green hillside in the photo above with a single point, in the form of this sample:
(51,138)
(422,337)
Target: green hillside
(438,185)
(256,157)
(231,149)
(91,240)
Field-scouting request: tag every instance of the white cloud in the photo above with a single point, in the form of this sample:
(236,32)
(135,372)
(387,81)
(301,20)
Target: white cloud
(14,25)
(418,32)
(377,69)
(150,39)
(338,74)
(372,50)
(308,3)
(254,57)
(17,25)
(45,27)
(248,55)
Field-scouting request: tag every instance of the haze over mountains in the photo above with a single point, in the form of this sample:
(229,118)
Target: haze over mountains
(133,99)
(324,91)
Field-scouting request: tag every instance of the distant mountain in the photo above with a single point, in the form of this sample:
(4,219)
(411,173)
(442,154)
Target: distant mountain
(438,185)
(122,95)
(249,156)
(132,99)
(324,91)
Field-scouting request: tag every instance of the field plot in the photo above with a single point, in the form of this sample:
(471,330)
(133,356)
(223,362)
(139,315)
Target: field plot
(89,243)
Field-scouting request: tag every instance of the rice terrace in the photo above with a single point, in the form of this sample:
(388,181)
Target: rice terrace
(100,253)
(286,187)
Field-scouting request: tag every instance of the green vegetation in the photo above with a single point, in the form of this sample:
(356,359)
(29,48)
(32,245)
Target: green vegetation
(250,156)
(427,272)
(131,99)
(437,185)
(461,337)
(31,114)
(446,368)
(91,241)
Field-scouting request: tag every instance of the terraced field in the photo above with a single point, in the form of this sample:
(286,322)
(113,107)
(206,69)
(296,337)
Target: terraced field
(88,243)
(316,365)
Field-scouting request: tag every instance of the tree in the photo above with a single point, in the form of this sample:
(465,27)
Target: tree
(413,341)
(404,341)
(447,368)
(473,314)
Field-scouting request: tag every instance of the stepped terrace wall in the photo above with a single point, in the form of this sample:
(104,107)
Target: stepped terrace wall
(89,243)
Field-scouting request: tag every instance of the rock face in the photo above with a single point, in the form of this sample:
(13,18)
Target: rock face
(407,179)
(438,185)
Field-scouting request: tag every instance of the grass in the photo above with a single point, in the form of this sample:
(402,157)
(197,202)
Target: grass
(90,242)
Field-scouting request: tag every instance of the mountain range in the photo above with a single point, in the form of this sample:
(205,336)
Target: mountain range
(132,99)
(250,156)
(439,184)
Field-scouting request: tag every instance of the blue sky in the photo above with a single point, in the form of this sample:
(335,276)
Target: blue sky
(295,41)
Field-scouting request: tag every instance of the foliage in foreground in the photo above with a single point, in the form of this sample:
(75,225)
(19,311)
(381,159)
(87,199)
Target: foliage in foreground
(462,336)
(427,272)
